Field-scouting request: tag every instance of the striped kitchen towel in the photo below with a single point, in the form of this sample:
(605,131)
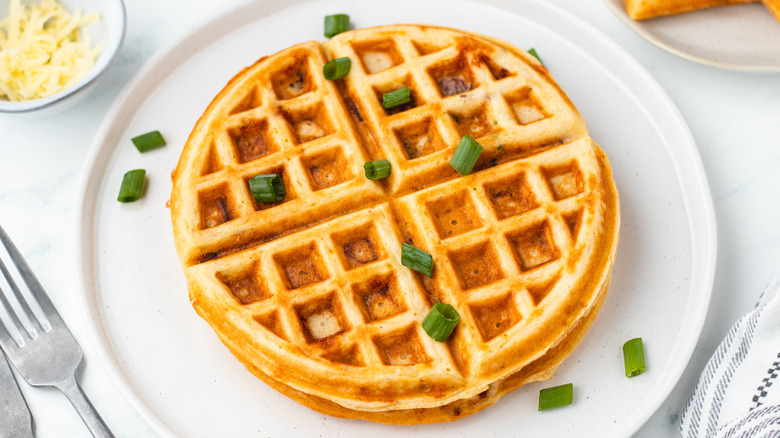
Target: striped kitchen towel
(738,393)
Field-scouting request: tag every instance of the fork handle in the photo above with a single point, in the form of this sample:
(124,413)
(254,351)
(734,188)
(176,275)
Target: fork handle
(97,427)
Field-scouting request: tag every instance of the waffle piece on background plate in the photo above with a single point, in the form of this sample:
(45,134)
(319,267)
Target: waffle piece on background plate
(309,292)
(644,9)
(774,7)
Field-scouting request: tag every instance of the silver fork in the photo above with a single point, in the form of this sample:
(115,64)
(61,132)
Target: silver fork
(37,341)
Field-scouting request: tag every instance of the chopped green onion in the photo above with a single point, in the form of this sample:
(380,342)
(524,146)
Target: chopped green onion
(535,55)
(267,188)
(132,185)
(466,155)
(378,169)
(396,98)
(335,24)
(556,396)
(416,259)
(440,321)
(148,141)
(634,357)
(337,68)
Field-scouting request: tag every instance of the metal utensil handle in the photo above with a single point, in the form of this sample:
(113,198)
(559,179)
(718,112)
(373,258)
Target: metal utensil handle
(16,417)
(97,427)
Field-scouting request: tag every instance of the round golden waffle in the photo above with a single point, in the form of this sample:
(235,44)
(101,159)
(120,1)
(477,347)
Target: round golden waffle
(309,292)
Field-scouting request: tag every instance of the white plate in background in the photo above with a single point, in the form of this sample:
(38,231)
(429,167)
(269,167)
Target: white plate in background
(740,37)
(184,382)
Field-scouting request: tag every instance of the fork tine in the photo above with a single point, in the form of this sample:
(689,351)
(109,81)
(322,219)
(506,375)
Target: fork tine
(29,278)
(11,318)
(23,322)
(9,339)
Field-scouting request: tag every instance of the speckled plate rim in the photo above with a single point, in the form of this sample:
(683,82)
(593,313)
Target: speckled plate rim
(617,7)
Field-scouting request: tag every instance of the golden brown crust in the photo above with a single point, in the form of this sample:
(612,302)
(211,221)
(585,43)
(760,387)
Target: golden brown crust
(644,9)
(309,292)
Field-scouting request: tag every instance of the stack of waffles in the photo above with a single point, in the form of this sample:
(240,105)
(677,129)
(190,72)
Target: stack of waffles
(309,292)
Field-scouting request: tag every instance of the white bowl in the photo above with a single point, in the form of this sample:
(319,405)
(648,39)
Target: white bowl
(109,29)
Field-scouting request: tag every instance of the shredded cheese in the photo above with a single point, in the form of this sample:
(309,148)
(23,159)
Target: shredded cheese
(43,50)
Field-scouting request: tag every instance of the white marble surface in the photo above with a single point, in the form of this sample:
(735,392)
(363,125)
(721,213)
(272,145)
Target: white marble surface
(734,117)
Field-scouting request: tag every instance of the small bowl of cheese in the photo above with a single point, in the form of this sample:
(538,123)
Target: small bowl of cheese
(53,51)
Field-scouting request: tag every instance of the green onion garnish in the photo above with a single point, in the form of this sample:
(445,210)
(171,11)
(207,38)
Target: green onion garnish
(535,55)
(132,185)
(466,155)
(378,169)
(396,98)
(267,188)
(416,259)
(440,322)
(634,357)
(335,24)
(148,141)
(555,397)
(337,68)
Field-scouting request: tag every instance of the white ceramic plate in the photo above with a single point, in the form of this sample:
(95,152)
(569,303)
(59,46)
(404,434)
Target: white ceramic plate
(176,373)
(741,37)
